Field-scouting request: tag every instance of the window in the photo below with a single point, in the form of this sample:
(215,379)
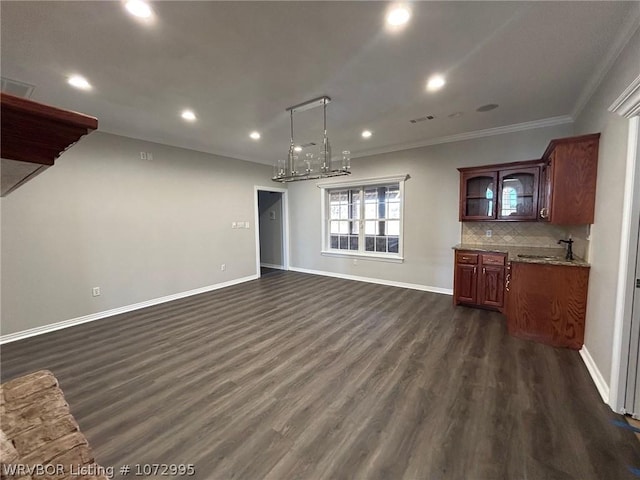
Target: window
(509,201)
(364,220)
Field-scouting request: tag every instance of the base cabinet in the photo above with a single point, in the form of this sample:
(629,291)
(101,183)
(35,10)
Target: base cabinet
(491,286)
(479,279)
(547,303)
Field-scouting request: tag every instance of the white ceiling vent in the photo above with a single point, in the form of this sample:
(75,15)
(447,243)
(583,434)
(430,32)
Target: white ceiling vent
(422,119)
(14,87)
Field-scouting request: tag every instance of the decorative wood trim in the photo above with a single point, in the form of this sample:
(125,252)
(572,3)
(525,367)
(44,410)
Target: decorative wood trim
(37,133)
(559,141)
(628,103)
(378,281)
(502,166)
(12,337)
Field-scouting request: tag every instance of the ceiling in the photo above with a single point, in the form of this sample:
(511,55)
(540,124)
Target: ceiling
(238,65)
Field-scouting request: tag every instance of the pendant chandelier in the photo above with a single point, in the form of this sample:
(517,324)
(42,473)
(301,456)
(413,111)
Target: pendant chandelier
(304,162)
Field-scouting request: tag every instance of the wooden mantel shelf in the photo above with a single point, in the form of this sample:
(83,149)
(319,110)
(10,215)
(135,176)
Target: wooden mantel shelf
(33,135)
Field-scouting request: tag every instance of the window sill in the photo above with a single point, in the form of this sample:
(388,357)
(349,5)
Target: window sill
(364,256)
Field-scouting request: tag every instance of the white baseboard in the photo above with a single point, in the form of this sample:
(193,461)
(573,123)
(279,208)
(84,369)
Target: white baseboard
(271,265)
(12,337)
(597,377)
(379,281)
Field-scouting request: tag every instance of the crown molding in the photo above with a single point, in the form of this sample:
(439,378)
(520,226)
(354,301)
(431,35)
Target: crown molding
(628,103)
(627,30)
(488,132)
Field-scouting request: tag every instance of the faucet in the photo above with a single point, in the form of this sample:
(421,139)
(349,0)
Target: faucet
(569,243)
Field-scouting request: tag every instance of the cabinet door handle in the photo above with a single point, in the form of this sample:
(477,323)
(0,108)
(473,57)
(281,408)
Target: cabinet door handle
(475,269)
(508,282)
(544,212)
(484,271)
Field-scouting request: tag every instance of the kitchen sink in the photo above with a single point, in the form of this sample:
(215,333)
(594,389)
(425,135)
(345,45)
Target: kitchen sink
(541,257)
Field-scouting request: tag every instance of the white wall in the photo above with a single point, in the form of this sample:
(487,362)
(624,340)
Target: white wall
(271,225)
(605,232)
(431,225)
(138,229)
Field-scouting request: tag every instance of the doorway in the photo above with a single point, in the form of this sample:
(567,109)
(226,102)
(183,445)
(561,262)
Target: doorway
(271,230)
(632,396)
(625,371)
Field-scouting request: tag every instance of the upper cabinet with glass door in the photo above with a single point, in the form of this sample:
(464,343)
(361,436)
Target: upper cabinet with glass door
(478,194)
(505,192)
(518,197)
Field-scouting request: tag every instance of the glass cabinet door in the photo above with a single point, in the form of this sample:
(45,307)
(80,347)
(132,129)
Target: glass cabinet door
(518,194)
(478,193)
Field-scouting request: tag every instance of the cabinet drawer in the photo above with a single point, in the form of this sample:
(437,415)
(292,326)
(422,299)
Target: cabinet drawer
(464,257)
(493,259)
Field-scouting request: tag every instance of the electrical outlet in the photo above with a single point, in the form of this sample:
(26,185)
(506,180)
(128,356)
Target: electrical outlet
(223,267)
(234,224)
(143,155)
(149,156)
(489,233)
(95,291)
(246,224)
(355,261)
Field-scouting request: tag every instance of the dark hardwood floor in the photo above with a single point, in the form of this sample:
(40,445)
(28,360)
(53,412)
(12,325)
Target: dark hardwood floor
(308,377)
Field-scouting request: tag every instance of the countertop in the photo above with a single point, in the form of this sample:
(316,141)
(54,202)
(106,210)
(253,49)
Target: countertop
(513,251)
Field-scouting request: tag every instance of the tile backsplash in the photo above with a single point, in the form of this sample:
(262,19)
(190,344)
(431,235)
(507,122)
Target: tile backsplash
(526,234)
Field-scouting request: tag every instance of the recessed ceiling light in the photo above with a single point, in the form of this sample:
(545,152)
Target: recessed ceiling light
(366,134)
(436,82)
(138,8)
(487,108)
(455,115)
(298,148)
(398,16)
(188,115)
(255,135)
(78,81)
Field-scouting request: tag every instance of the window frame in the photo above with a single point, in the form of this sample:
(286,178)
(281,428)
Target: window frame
(362,184)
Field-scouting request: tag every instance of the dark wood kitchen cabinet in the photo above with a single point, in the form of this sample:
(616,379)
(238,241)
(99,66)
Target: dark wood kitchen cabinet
(479,279)
(547,303)
(478,188)
(568,180)
(507,192)
(33,135)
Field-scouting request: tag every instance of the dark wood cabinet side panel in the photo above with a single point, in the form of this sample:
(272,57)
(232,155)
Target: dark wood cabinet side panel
(576,307)
(547,303)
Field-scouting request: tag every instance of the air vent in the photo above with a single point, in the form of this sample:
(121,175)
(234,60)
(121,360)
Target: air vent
(14,87)
(422,119)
